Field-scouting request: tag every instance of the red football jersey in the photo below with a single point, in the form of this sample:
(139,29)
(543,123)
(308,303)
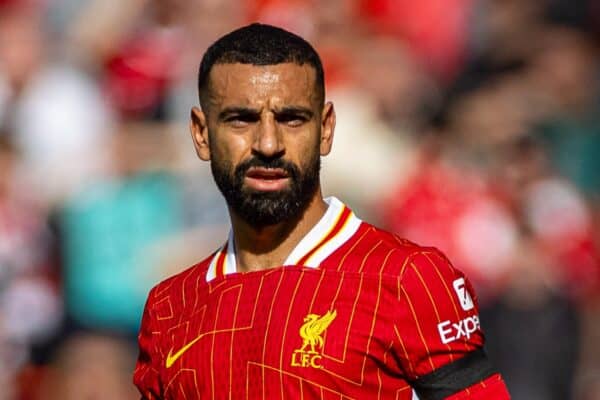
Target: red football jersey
(354,313)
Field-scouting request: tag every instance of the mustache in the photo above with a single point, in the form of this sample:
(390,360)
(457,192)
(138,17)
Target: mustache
(272,163)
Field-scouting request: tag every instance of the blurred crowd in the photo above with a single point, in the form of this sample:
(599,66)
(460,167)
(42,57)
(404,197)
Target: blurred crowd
(470,125)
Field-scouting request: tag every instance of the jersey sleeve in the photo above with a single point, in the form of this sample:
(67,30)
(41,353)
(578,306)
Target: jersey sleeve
(437,327)
(146,375)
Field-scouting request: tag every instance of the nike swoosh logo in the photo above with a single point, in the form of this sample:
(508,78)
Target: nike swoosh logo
(171,358)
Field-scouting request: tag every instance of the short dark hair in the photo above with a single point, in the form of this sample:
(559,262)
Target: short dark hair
(260,44)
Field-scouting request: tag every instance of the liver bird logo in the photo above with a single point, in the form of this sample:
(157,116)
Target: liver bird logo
(314,325)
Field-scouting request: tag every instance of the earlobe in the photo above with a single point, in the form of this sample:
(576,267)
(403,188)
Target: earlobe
(327,128)
(199,131)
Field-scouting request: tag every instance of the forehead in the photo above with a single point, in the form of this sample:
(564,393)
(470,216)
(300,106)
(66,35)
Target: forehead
(246,84)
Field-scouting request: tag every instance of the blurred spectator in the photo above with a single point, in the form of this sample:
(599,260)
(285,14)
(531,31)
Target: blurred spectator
(138,76)
(294,15)
(538,195)
(53,111)
(30,306)
(107,230)
(139,57)
(150,48)
(369,115)
(450,205)
(91,367)
(569,238)
(532,331)
(434,30)
(564,74)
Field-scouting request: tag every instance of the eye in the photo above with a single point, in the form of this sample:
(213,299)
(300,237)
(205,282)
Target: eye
(240,121)
(292,120)
(237,123)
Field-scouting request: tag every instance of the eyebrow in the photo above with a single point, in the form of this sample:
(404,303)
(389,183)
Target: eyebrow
(252,112)
(295,110)
(238,111)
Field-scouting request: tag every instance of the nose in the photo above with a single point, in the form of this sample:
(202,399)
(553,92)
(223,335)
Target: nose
(268,141)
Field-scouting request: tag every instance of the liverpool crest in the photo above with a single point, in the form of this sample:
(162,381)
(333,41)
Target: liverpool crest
(309,354)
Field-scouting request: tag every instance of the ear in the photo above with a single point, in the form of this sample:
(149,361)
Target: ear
(327,128)
(199,131)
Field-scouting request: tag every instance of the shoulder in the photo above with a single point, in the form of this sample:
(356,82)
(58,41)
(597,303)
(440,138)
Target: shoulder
(373,250)
(167,296)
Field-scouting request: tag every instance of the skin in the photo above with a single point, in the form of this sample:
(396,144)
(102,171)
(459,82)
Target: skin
(270,111)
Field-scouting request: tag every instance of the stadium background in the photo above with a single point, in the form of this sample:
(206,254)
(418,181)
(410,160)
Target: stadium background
(472,125)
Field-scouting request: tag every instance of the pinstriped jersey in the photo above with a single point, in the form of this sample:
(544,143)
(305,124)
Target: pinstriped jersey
(355,312)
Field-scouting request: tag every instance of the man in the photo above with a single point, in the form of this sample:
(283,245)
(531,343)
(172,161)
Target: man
(304,300)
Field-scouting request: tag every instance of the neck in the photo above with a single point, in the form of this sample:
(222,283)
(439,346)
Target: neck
(269,246)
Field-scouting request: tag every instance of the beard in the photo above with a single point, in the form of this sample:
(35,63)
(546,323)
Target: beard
(264,208)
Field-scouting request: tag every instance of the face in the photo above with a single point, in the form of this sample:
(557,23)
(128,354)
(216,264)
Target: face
(264,129)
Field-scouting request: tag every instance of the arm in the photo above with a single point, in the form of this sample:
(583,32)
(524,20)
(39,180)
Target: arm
(441,342)
(146,375)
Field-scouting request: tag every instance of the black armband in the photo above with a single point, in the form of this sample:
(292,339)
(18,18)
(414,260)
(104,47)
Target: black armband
(454,377)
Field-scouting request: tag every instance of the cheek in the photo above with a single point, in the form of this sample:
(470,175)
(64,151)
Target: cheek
(229,146)
(311,139)
(305,149)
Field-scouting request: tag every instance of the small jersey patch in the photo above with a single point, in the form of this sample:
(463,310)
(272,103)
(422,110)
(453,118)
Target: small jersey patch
(464,298)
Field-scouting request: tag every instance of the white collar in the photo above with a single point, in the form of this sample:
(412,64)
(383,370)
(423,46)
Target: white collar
(335,227)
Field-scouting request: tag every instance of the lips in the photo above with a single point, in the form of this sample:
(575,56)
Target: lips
(266,179)
(266,173)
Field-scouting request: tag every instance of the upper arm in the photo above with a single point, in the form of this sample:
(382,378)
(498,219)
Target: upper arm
(146,375)
(438,330)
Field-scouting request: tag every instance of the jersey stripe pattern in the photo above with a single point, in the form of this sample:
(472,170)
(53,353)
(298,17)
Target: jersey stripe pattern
(355,312)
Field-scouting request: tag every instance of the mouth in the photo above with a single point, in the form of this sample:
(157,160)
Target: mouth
(266,179)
